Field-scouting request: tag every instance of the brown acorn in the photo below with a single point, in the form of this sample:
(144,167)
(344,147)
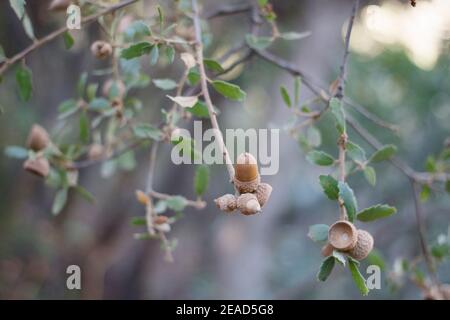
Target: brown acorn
(263,192)
(246,177)
(248,204)
(364,245)
(117,85)
(38,138)
(160,219)
(226,203)
(342,235)
(59,5)
(101,49)
(327,250)
(438,292)
(38,166)
(96,151)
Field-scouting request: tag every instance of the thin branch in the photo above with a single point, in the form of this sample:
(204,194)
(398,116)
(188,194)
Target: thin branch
(197,204)
(55,34)
(205,92)
(151,167)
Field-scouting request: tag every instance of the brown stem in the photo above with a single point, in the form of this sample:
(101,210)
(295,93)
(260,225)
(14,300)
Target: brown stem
(53,35)
(197,204)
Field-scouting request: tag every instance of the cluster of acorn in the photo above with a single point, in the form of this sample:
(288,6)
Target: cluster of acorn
(38,139)
(344,237)
(253,194)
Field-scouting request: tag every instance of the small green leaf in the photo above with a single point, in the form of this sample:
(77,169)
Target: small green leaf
(24,81)
(160,16)
(356,152)
(170,53)
(193,76)
(81,85)
(229,90)
(258,43)
(320,158)
(295,35)
(137,29)
(68,40)
(375,212)
(285,96)
(201,179)
(213,65)
(16,152)
(60,201)
(440,250)
(19,7)
(137,50)
(199,110)
(138,221)
(127,161)
(165,84)
(370,175)
(28,27)
(99,105)
(318,233)
(425,193)
(84,127)
(385,153)
(326,268)
(376,258)
(347,195)
(430,164)
(176,203)
(85,194)
(297,85)
(147,131)
(340,257)
(329,186)
(154,55)
(357,277)
(338,112)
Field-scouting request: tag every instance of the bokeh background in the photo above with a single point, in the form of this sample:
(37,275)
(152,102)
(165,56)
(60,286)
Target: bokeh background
(398,69)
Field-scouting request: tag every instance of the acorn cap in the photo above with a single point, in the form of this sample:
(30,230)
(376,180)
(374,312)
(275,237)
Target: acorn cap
(248,204)
(263,192)
(38,138)
(101,49)
(226,203)
(327,250)
(160,219)
(342,235)
(59,5)
(363,246)
(247,186)
(246,168)
(38,166)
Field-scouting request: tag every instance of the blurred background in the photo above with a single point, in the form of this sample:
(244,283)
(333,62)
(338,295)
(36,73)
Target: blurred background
(398,69)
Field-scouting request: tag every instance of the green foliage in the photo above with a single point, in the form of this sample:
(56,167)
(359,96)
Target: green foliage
(137,29)
(329,186)
(370,175)
(165,84)
(359,280)
(24,82)
(376,212)
(318,233)
(229,90)
(201,179)
(285,96)
(213,65)
(137,50)
(294,35)
(147,131)
(326,268)
(347,195)
(338,112)
(356,152)
(258,43)
(68,40)
(16,152)
(60,201)
(385,153)
(320,158)
(176,203)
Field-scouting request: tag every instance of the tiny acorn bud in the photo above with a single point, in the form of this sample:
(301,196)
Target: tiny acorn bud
(142,198)
(38,166)
(96,151)
(263,192)
(342,235)
(327,250)
(101,49)
(113,88)
(160,219)
(164,227)
(38,138)
(248,204)
(59,5)
(226,203)
(364,245)
(246,177)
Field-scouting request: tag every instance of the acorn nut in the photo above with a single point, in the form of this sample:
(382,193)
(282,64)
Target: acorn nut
(38,166)
(263,192)
(248,204)
(342,235)
(226,203)
(327,250)
(363,246)
(246,177)
(38,138)
(101,49)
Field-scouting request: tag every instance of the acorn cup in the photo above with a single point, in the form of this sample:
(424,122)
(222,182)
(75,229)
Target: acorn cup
(101,49)
(263,192)
(226,203)
(246,178)
(248,204)
(38,166)
(342,235)
(38,138)
(364,245)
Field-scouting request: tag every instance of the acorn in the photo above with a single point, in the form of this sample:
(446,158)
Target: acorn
(115,88)
(96,151)
(438,292)
(142,198)
(342,235)
(59,5)
(363,246)
(163,227)
(248,204)
(246,177)
(263,192)
(160,219)
(226,203)
(101,49)
(38,166)
(327,250)
(38,138)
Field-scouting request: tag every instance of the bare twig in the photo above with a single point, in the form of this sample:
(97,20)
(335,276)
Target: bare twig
(53,35)
(197,204)
(205,92)
(151,167)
